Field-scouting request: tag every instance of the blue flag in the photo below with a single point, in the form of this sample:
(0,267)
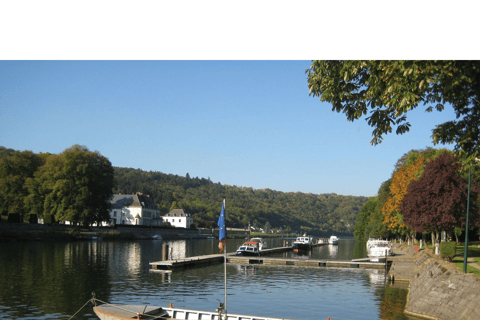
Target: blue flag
(222,232)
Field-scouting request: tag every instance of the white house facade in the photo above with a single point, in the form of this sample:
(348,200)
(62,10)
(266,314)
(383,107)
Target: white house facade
(179,219)
(134,209)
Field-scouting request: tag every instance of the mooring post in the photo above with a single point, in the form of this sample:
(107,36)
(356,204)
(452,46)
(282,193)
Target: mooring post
(165,251)
(386,255)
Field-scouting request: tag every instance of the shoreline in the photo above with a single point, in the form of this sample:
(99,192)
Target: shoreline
(436,288)
(39,232)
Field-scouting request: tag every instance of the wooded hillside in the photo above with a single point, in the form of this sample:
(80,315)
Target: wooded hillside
(317,214)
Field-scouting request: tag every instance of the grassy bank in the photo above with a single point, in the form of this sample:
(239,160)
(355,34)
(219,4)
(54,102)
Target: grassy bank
(473,254)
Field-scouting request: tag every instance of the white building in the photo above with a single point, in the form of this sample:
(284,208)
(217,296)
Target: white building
(179,219)
(134,209)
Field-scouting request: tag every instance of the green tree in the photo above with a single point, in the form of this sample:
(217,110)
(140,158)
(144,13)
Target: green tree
(363,219)
(387,90)
(267,227)
(77,186)
(370,219)
(14,173)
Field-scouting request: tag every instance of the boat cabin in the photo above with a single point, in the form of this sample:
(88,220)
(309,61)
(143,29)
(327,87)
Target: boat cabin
(249,248)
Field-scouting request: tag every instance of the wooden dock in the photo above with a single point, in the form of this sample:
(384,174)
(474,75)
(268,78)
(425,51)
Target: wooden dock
(204,260)
(307,262)
(197,261)
(207,260)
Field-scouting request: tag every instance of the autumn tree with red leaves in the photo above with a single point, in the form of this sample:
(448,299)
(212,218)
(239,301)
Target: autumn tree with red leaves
(438,200)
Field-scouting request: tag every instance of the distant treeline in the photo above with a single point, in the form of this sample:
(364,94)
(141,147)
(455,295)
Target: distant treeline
(317,214)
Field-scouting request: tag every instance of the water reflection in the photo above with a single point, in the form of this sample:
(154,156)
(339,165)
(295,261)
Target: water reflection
(178,249)
(53,280)
(333,251)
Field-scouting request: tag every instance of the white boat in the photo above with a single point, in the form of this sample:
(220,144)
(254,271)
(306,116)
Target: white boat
(333,240)
(303,243)
(248,249)
(261,244)
(378,250)
(122,312)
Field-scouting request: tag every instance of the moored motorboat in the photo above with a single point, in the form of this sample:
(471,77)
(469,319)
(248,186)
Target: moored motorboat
(122,312)
(333,240)
(378,250)
(248,249)
(303,243)
(262,245)
(322,241)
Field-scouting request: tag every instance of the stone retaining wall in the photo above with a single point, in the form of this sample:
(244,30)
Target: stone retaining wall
(439,291)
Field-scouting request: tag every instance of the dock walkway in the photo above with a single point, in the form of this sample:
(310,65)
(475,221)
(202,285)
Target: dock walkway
(207,260)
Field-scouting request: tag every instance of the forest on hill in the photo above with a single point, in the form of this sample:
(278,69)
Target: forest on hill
(23,173)
(316,214)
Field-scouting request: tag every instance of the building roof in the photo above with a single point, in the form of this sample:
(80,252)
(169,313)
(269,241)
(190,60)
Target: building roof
(132,200)
(177,213)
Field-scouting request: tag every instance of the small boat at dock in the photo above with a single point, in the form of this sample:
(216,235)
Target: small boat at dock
(261,243)
(108,311)
(322,241)
(333,240)
(302,243)
(249,248)
(378,250)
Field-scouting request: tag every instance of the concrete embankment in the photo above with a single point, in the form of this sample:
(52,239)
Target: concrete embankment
(437,289)
(26,231)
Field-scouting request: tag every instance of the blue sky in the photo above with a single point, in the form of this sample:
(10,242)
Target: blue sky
(245,123)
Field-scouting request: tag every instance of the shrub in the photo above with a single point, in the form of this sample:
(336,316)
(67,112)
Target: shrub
(14,218)
(448,250)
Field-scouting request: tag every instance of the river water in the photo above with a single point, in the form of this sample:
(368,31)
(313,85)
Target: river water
(48,280)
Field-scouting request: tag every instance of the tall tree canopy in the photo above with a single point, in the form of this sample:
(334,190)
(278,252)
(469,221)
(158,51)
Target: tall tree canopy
(386,90)
(398,189)
(369,222)
(15,170)
(437,201)
(76,186)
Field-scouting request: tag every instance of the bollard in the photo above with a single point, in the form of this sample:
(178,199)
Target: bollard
(165,252)
(421,243)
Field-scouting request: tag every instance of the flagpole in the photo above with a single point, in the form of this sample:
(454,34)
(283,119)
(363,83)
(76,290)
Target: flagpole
(225,265)
(222,245)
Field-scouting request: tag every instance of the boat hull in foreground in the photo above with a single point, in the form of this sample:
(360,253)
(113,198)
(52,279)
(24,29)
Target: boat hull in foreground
(123,312)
